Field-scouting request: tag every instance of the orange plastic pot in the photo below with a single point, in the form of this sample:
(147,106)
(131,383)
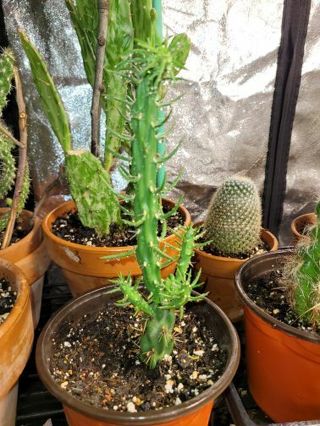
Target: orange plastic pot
(283,362)
(300,223)
(16,336)
(218,273)
(195,412)
(31,256)
(83,266)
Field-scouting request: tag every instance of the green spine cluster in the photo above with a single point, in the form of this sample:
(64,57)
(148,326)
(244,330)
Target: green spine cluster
(305,275)
(233,222)
(89,183)
(166,296)
(6,76)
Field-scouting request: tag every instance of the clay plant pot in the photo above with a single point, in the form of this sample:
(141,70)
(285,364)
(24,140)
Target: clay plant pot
(195,412)
(283,362)
(300,223)
(31,256)
(16,336)
(83,266)
(218,274)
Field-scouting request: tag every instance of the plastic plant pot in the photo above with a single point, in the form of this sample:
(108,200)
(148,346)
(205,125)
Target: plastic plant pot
(195,412)
(283,362)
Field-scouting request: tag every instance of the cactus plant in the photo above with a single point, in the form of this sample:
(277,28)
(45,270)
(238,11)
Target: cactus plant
(233,221)
(89,182)
(303,276)
(166,297)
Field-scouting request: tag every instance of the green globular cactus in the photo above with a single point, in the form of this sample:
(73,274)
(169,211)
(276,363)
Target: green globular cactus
(233,220)
(305,276)
(166,297)
(90,185)
(6,75)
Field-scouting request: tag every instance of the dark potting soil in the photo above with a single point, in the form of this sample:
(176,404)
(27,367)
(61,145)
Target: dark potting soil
(7,299)
(97,360)
(270,294)
(71,229)
(18,233)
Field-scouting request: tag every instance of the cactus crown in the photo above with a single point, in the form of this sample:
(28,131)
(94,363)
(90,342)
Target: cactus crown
(303,276)
(233,221)
(153,65)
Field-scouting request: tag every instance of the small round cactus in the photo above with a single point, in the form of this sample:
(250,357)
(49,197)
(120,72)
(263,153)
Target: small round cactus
(233,221)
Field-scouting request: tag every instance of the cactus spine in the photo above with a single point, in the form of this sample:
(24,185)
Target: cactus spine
(305,276)
(89,183)
(166,296)
(233,221)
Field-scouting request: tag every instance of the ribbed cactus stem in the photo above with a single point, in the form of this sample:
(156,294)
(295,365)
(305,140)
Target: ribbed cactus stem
(6,76)
(233,221)
(307,276)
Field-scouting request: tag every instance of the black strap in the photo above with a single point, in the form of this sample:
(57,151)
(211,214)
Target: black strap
(290,58)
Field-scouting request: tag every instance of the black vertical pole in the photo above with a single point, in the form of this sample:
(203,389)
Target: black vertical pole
(290,58)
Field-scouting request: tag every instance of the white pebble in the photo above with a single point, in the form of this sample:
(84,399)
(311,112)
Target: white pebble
(67,344)
(131,407)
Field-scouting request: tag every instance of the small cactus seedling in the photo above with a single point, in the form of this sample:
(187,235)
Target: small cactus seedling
(165,297)
(8,172)
(304,276)
(233,221)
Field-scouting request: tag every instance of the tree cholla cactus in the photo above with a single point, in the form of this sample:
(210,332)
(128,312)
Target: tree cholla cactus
(304,276)
(153,65)
(233,221)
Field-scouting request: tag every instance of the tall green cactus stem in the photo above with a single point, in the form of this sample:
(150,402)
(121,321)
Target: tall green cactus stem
(233,221)
(90,185)
(6,76)
(91,190)
(306,276)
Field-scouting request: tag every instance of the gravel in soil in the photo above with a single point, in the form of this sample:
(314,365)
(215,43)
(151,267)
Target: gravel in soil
(270,294)
(7,299)
(97,360)
(70,229)
(18,233)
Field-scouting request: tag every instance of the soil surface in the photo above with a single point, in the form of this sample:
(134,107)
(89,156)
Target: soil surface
(7,299)
(71,229)
(270,294)
(97,360)
(18,233)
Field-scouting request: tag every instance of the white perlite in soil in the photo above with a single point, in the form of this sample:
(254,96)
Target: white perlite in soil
(7,299)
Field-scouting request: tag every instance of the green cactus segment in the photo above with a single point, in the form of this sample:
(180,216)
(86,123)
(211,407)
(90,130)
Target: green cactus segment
(233,221)
(25,189)
(85,18)
(90,187)
(6,76)
(144,20)
(307,276)
(119,46)
(50,98)
(157,341)
(7,167)
(147,202)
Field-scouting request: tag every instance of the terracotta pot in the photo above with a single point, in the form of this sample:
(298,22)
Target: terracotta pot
(218,273)
(83,266)
(31,256)
(283,362)
(300,223)
(195,412)
(16,336)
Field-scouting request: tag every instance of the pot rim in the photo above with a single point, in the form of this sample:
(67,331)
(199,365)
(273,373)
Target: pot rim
(264,234)
(299,218)
(22,299)
(274,322)
(70,205)
(145,418)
